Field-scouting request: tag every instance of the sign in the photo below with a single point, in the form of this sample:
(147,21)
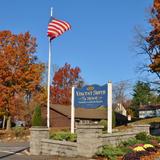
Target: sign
(91,96)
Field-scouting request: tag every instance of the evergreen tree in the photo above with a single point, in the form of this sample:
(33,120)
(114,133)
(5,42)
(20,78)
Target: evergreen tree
(37,117)
(142,95)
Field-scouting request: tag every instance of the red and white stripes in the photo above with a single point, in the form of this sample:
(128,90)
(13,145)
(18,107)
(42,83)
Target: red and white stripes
(57,28)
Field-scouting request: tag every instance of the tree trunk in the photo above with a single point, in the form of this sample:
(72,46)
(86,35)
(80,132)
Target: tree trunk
(4,121)
(8,123)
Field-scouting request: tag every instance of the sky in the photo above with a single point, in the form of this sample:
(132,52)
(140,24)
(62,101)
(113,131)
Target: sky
(100,41)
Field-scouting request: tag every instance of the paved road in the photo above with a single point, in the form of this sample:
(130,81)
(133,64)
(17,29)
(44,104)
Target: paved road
(12,149)
(19,151)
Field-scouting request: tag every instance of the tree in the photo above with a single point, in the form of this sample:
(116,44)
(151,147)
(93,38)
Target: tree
(37,117)
(119,92)
(153,38)
(142,95)
(149,43)
(62,83)
(20,75)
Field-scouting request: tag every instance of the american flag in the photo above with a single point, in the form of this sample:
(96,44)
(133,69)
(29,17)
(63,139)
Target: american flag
(57,27)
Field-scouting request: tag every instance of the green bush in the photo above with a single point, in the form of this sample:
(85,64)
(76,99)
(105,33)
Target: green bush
(103,122)
(157,138)
(126,147)
(142,136)
(37,117)
(130,142)
(110,152)
(63,136)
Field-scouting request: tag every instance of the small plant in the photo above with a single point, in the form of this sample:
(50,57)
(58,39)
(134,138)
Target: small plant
(37,118)
(131,142)
(148,146)
(67,136)
(157,138)
(138,148)
(110,152)
(103,122)
(142,136)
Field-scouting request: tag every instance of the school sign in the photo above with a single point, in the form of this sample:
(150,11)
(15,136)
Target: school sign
(91,96)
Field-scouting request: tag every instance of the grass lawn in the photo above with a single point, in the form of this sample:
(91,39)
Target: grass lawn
(147,120)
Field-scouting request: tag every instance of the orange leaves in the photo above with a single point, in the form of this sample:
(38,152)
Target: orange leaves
(153,39)
(19,72)
(63,80)
(155,66)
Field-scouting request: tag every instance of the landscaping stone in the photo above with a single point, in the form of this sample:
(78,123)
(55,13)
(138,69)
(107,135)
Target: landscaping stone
(89,140)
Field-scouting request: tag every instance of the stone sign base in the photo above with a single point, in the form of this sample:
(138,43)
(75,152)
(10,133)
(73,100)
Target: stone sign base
(89,140)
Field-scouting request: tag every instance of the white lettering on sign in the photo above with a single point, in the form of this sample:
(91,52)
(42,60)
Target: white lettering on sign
(90,93)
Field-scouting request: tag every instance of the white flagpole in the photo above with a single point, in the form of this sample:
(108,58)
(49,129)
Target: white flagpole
(48,86)
(48,98)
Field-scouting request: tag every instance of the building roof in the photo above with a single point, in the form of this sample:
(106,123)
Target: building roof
(81,113)
(84,113)
(149,107)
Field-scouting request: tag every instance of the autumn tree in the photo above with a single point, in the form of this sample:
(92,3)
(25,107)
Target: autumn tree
(153,38)
(62,83)
(20,74)
(148,43)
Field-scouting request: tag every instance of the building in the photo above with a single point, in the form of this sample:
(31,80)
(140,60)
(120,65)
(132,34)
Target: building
(60,116)
(149,111)
(120,109)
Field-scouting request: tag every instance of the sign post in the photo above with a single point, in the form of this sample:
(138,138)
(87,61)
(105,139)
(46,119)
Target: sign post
(109,130)
(72,111)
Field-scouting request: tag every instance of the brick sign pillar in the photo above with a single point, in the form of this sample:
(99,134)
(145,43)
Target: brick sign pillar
(87,139)
(37,134)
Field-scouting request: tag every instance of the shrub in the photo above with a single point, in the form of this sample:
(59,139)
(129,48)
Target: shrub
(130,142)
(157,138)
(110,152)
(142,136)
(37,118)
(103,122)
(64,136)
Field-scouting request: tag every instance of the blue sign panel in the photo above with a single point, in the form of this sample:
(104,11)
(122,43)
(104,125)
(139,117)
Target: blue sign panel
(91,96)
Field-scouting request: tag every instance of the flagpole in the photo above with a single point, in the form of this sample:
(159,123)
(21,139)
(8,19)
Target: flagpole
(48,84)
